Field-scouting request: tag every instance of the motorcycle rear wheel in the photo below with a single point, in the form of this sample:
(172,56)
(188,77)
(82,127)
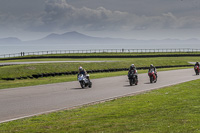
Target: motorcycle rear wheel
(136,82)
(90,85)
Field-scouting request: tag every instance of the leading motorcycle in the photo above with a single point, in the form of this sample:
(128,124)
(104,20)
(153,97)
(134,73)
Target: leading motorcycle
(84,81)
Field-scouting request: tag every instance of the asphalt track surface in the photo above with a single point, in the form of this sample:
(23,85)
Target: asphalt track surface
(16,103)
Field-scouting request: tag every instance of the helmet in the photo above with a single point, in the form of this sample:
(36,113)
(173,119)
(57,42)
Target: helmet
(197,62)
(132,66)
(80,68)
(151,65)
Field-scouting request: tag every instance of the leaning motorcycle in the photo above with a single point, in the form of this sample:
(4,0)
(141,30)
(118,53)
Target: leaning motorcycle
(132,77)
(152,76)
(84,81)
(196,69)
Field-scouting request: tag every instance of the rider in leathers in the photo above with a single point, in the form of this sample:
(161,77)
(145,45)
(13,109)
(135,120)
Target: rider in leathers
(197,64)
(83,71)
(132,67)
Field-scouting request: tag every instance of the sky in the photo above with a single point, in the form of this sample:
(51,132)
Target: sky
(134,19)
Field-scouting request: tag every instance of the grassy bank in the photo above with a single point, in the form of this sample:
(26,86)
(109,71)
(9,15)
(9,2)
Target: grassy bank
(170,109)
(30,69)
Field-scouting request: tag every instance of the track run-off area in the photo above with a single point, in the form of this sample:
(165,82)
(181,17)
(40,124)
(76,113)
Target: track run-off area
(22,102)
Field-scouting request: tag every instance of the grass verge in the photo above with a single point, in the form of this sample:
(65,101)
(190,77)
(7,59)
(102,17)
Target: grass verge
(31,69)
(170,109)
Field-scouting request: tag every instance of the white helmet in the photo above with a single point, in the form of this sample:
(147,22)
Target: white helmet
(132,65)
(80,68)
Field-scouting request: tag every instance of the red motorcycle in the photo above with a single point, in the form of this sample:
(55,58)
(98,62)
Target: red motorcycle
(196,69)
(152,76)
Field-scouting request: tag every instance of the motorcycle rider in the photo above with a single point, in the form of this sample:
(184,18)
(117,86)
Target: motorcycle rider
(154,69)
(83,71)
(132,67)
(197,64)
(196,68)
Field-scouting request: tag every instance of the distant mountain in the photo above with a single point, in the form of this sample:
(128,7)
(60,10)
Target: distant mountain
(69,37)
(73,38)
(65,36)
(78,38)
(10,40)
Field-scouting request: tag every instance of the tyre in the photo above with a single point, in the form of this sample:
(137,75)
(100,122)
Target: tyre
(197,72)
(131,82)
(90,85)
(83,85)
(135,81)
(151,79)
(155,80)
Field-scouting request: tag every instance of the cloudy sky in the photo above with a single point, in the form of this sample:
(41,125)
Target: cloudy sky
(136,19)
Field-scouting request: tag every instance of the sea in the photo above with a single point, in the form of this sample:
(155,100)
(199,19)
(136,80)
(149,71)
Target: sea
(18,48)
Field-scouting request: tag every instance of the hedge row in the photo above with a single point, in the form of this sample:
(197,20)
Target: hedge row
(89,71)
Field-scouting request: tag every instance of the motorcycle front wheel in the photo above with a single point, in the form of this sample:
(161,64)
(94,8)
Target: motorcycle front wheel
(151,79)
(131,82)
(82,84)
(197,73)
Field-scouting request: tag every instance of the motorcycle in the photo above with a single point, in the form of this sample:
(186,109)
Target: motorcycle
(196,69)
(84,81)
(152,76)
(132,77)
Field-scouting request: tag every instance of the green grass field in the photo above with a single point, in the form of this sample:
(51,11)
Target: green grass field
(29,69)
(170,109)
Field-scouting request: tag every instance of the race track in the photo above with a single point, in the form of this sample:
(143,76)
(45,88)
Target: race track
(23,102)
